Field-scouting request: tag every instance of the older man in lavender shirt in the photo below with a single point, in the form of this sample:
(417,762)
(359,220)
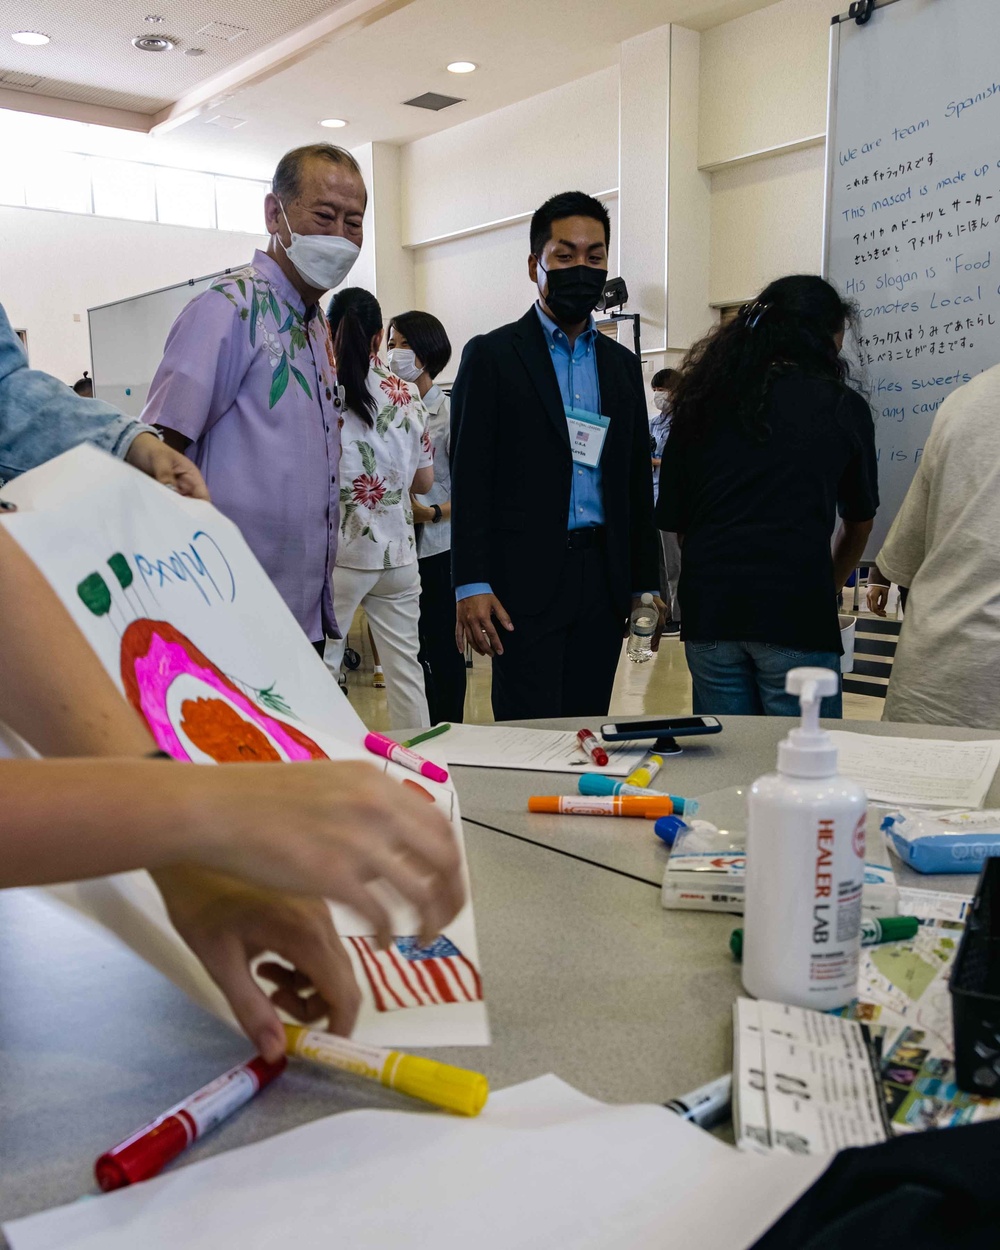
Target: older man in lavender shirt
(248,387)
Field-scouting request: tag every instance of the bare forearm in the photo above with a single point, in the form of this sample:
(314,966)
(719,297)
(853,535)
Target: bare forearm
(848,549)
(54,691)
(62,820)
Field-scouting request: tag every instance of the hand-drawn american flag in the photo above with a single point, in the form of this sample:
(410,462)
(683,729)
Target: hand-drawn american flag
(410,975)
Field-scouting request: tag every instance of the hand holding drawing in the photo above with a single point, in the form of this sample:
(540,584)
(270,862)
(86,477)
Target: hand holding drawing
(228,924)
(329,829)
(163,463)
(322,827)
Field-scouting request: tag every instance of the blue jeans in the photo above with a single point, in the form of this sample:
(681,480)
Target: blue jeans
(748,678)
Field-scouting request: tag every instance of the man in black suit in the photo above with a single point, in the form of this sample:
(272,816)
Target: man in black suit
(552,504)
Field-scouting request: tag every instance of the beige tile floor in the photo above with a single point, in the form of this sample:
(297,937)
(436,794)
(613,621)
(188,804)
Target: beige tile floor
(660,688)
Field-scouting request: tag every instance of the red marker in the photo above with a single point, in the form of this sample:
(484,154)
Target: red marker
(595,751)
(149,1150)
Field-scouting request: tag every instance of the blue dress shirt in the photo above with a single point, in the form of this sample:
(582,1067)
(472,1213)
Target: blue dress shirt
(576,373)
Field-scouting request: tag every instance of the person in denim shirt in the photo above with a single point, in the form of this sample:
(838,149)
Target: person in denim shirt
(40,418)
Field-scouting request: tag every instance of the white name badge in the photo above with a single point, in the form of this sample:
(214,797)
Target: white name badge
(587,432)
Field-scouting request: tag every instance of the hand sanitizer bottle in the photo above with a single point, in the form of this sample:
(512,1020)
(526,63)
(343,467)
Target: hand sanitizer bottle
(805,866)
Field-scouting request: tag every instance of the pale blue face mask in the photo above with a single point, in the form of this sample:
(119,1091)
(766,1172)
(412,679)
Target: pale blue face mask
(322,260)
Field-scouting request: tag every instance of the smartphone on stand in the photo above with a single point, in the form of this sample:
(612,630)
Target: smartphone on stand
(665,729)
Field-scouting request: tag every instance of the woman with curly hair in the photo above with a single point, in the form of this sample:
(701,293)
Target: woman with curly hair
(386,455)
(769,443)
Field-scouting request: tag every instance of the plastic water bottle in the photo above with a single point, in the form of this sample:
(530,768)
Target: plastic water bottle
(640,635)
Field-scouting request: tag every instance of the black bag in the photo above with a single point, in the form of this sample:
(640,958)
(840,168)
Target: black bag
(938,1190)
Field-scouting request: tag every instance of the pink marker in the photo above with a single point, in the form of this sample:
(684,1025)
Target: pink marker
(378,744)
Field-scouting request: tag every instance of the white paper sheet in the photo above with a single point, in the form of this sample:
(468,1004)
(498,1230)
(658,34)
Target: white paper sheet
(189,627)
(805,1083)
(543,1166)
(934,904)
(932,772)
(534,750)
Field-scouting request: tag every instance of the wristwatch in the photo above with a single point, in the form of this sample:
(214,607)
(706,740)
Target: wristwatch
(436,508)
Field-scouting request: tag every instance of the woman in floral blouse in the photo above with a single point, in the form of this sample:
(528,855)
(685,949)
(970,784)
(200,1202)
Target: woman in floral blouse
(386,455)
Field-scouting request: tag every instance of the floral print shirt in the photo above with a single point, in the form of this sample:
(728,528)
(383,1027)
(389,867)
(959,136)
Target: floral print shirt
(376,468)
(248,376)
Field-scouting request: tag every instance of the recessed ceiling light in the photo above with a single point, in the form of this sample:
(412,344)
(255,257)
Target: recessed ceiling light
(31,37)
(462,67)
(194,51)
(152,43)
(334,123)
(154,18)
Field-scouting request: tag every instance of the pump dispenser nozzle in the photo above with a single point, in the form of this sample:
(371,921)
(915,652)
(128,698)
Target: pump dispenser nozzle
(808,751)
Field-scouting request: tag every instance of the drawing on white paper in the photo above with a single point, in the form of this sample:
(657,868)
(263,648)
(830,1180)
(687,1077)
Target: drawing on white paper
(201,644)
(407,974)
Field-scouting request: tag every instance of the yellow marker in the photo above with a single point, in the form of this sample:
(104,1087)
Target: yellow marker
(645,773)
(454,1089)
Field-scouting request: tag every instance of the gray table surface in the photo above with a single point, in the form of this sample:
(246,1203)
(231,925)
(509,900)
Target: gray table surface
(746,748)
(586,976)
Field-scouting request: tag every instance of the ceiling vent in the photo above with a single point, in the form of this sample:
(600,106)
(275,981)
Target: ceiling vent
(222,30)
(153,43)
(20,82)
(433,101)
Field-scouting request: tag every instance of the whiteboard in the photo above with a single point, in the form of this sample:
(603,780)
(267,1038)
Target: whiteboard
(913,212)
(127,340)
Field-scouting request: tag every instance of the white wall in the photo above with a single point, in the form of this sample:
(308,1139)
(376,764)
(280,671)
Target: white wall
(763,87)
(643,173)
(763,79)
(767,220)
(54,266)
(510,161)
(689,200)
(384,267)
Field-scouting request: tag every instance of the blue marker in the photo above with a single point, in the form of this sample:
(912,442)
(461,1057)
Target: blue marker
(597,783)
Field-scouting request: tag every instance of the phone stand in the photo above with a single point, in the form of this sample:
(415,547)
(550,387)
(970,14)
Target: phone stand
(667,746)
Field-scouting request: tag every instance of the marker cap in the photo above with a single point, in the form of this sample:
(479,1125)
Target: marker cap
(455,1089)
(668,827)
(597,783)
(143,1156)
(898,928)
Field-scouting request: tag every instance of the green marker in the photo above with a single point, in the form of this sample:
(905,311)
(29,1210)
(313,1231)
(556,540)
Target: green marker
(873,932)
(428,733)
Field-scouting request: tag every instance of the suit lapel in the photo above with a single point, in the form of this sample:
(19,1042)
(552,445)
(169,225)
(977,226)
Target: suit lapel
(532,346)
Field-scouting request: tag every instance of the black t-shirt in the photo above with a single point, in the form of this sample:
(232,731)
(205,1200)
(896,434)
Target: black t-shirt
(758,517)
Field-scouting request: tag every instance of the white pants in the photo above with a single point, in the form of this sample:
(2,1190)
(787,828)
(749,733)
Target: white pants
(391,599)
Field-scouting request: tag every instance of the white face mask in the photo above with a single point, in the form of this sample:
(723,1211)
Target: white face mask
(322,260)
(403,363)
(661,400)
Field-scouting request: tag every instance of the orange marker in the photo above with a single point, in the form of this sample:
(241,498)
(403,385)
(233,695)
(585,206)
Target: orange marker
(610,805)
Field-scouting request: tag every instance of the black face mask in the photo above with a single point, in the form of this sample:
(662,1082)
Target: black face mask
(574,292)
